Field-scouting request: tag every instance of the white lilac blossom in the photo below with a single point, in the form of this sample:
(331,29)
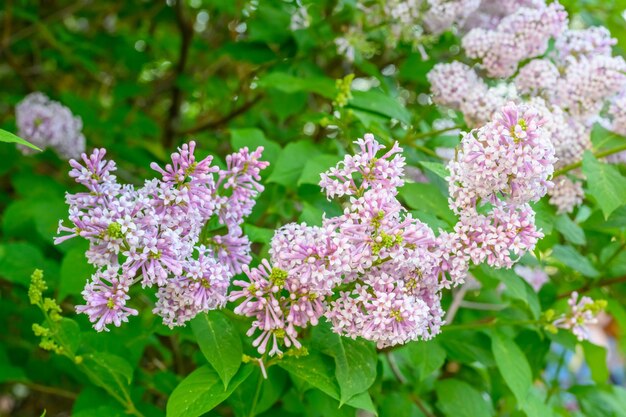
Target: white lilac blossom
(589,82)
(582,313)
(49,124)
(617,114)
(538,78)
(162,234)
(491,12)
(458,86)
(521,35)
(510,158)
(570,86)
(587,43)
(401,21)
(566,194)
(498,170)
(376,272)
(536,277)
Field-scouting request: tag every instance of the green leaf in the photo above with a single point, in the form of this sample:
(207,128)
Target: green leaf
(93,402)
(315,166)
(110,372)
(315,369)
(596,360)
(253,138)
(355,364)
(436,167)
(201,391)
(605,184)
(513,366)
(69,334)
(258,234)
(457,398)
(516,287)
(75,271)
(600,400)
(427,357)
(11,138)
(291,162)
(516,372)
(378,102)
(570,257)
(18,261)
(571,231)
(8,371)
(428,198)
(396,404)
(219,342)
(292,84)
(544,216)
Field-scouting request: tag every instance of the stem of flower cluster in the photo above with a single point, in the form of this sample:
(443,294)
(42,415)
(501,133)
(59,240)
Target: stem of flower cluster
(491,322)
(257,395)
(578,164)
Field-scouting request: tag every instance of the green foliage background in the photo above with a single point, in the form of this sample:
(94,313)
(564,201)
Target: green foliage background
(146,76)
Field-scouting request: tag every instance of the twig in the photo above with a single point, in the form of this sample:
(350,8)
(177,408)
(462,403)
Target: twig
(481,306)
(423,135)
(591,285)
(421,406)
(50,390)
(186,34)
(456,303)
(578,164)
(213,124)
(257,395)
(60,14)
(395,368)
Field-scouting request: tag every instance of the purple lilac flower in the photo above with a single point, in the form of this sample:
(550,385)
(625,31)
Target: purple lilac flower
(154,234)
(376,272)
(106,297)
(49,124)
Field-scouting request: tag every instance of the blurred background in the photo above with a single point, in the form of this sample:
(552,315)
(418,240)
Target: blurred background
(146,76)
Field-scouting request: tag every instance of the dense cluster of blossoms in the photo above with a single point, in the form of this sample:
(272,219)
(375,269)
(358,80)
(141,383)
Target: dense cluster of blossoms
(372,272)
(571,85)
(375,271)
(582,313)
(498,170)
(401,21)
(49,124)
(521,35)
(181,232)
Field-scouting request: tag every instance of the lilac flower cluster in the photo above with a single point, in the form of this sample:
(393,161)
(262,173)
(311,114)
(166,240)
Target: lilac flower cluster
(381,262)
(49,124)
(570,86)
(536,277)
(407,21)
(521,35)
(375,271)
(498,170)
(181,232)
(617,123)
(582,312)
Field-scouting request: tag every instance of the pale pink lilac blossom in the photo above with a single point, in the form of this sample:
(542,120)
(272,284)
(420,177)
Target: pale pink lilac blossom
(583,311)
(376,272)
